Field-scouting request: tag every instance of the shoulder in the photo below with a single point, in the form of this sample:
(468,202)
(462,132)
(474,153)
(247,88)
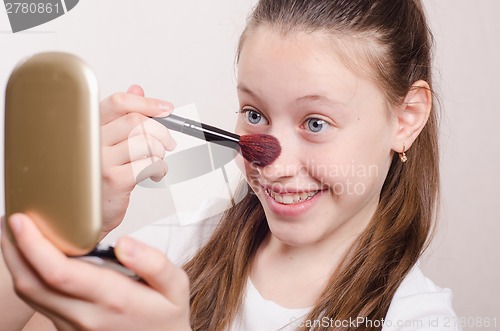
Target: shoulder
(419,304)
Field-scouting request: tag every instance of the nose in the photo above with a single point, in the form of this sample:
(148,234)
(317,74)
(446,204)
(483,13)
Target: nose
(289,163)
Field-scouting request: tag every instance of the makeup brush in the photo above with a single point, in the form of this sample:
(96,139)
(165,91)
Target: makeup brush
(258,149)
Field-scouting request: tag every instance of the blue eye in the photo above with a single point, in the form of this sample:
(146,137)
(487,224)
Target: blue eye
(316,125)
(253,116)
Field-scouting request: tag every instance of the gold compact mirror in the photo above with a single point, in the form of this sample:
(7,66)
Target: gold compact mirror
(52,149)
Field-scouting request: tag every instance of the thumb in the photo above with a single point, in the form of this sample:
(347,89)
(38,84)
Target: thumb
(136,89)
(155,269)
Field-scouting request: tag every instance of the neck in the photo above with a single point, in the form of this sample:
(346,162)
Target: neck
(295,276)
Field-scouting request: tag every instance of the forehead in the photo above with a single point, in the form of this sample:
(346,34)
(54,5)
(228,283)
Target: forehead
(298,62)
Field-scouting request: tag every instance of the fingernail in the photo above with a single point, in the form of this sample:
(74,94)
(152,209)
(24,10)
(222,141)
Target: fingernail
(16,224)
(166,108)
(173,145)
(128,247)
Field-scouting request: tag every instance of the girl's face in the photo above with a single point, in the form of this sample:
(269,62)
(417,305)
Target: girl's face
(335,131)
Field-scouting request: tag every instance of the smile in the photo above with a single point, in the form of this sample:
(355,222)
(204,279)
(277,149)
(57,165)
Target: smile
(290,199)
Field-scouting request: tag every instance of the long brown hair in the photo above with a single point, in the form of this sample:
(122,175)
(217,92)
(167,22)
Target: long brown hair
(365,282)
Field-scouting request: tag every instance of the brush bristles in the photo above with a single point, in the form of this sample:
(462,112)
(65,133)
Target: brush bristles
(260,149)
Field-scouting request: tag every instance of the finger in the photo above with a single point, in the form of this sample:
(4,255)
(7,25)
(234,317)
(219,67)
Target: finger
(123,178)
(27,284)
(120,104)
(12,257)
(60,322)
(136,89)
(14,310)
(135,148)
(134,124)
(52,269)
(86,298)
(155,269)
(153,168)
(150,126)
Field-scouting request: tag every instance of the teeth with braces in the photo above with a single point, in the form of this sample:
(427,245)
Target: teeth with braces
(288,199)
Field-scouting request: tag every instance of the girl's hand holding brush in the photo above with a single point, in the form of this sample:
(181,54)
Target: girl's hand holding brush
(135,137)
(133,148)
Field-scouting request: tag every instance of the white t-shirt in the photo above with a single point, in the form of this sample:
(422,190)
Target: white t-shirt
(418,304)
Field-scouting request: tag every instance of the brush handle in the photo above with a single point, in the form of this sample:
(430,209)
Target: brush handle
(200,130)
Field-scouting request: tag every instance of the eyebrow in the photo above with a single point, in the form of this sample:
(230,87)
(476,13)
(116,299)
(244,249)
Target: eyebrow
(246,90)
(319,99)
(304,99)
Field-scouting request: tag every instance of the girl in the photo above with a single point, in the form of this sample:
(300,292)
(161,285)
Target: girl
(331,235)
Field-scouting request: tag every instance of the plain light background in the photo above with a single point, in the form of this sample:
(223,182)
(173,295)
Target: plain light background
(183,51)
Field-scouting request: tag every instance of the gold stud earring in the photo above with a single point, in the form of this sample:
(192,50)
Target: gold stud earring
(402,156)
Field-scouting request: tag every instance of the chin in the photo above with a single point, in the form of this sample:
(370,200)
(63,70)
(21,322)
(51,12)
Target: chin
(295,234)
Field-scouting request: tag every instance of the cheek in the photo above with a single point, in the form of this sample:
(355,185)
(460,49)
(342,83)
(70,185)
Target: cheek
(239,127)
(347,173)
(250,172)
(242,127)
(360,157)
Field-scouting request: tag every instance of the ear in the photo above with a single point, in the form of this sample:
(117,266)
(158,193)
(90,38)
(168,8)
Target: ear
(411,116)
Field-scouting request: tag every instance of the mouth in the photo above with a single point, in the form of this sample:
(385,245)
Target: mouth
(291,198)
